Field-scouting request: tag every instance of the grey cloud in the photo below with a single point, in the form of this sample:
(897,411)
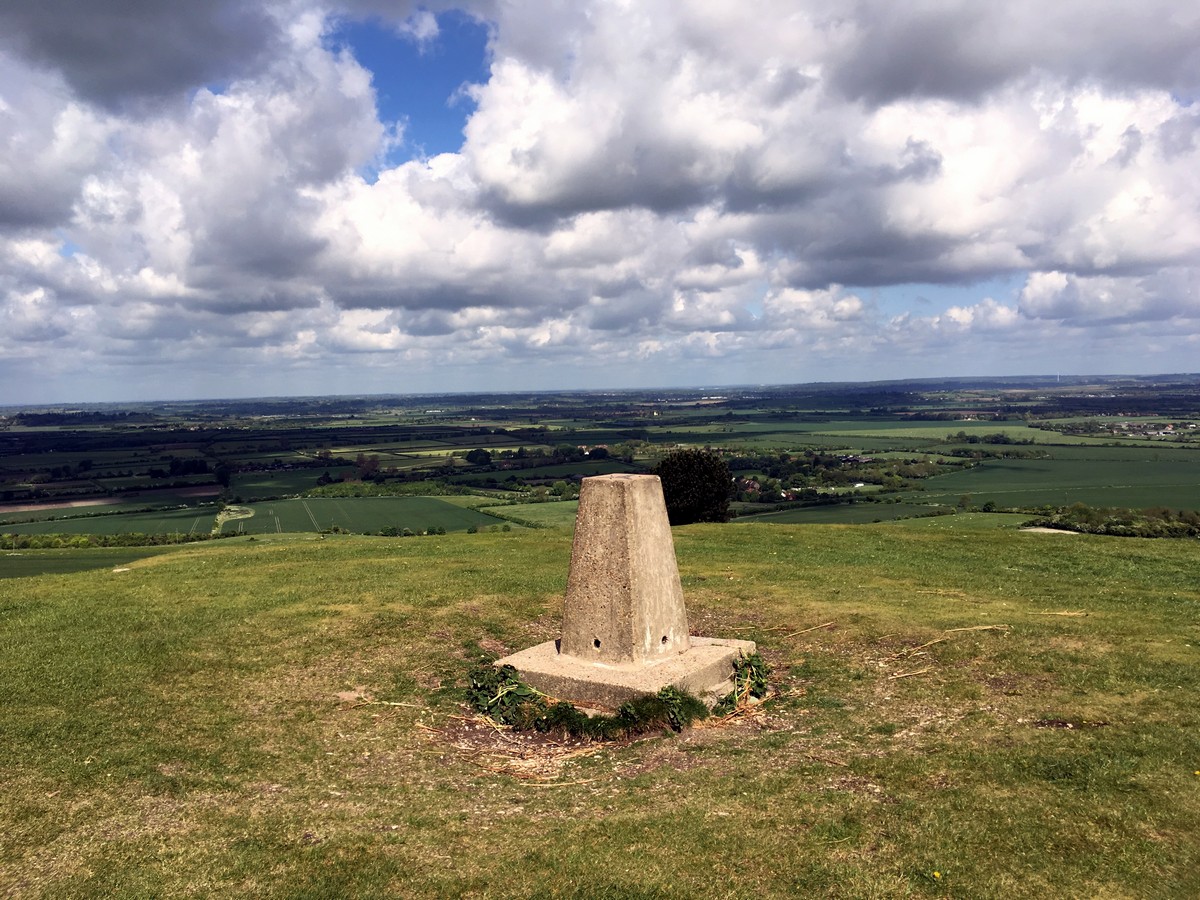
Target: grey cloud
(1131,145)
(1104,300)
(904,52)
(119,53)
(653,180)
(272,298)
(33,332)
(961,50)
(747,190)
(635,309)
(1178,135)
(268,239)
(785,84)
(846,239)
(47,148)
(33,205)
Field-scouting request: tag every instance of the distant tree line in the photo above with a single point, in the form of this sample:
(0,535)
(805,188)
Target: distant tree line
(81,541)
(1155,522)
(999,437)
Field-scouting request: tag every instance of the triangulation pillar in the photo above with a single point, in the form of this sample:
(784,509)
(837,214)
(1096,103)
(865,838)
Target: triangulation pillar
(625,629)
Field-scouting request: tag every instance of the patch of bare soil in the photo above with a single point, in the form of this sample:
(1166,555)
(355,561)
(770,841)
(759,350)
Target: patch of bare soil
(1037,529)
(527,755)
(545,758)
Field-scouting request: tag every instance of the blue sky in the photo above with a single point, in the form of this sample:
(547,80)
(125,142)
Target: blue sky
(421,84)
(210,199)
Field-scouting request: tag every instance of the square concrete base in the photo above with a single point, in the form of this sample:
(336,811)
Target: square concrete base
(704,669)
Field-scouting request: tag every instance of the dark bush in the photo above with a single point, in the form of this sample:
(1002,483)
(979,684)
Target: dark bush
(696,486)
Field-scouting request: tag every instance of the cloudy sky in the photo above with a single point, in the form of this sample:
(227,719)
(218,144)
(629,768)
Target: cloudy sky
(266,197)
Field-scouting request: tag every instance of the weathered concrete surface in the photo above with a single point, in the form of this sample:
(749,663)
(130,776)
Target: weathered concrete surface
(625,628)
(705,670)
(624,602)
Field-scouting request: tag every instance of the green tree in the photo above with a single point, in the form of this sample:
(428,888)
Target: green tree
(696,486)
(367,466)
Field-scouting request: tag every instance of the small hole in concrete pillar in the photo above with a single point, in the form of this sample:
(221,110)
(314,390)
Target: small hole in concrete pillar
(664,638)
(596,643)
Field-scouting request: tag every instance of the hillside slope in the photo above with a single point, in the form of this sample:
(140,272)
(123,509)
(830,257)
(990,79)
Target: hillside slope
(985,714)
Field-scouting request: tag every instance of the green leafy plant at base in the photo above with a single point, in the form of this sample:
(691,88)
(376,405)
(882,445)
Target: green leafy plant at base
(499,693)
(750,673)
(496,691)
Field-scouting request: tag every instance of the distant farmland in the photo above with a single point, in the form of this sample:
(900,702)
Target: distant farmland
(360,515)
(168,521)
(1172,480)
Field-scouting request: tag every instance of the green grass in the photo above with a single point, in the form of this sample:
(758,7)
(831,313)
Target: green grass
(282,719)
(965,521)
(555,514)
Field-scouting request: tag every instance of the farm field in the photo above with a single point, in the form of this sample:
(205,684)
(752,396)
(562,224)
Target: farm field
(938,431)
(1172,481)
(552,514)
(360,515)
(856,439)
(258,485)
(192,520)
(30,563)
(842,514)
(985,713)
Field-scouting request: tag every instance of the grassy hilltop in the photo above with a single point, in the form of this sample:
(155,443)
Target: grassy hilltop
(968,713)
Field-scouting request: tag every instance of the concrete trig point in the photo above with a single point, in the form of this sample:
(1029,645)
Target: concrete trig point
(625,628)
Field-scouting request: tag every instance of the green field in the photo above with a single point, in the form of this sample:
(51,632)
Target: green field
(259,485)
(554,514)
(986,714)
(129,454)
(1172,481)
(840,514)
(28,563)
(192,520)
(360,515)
